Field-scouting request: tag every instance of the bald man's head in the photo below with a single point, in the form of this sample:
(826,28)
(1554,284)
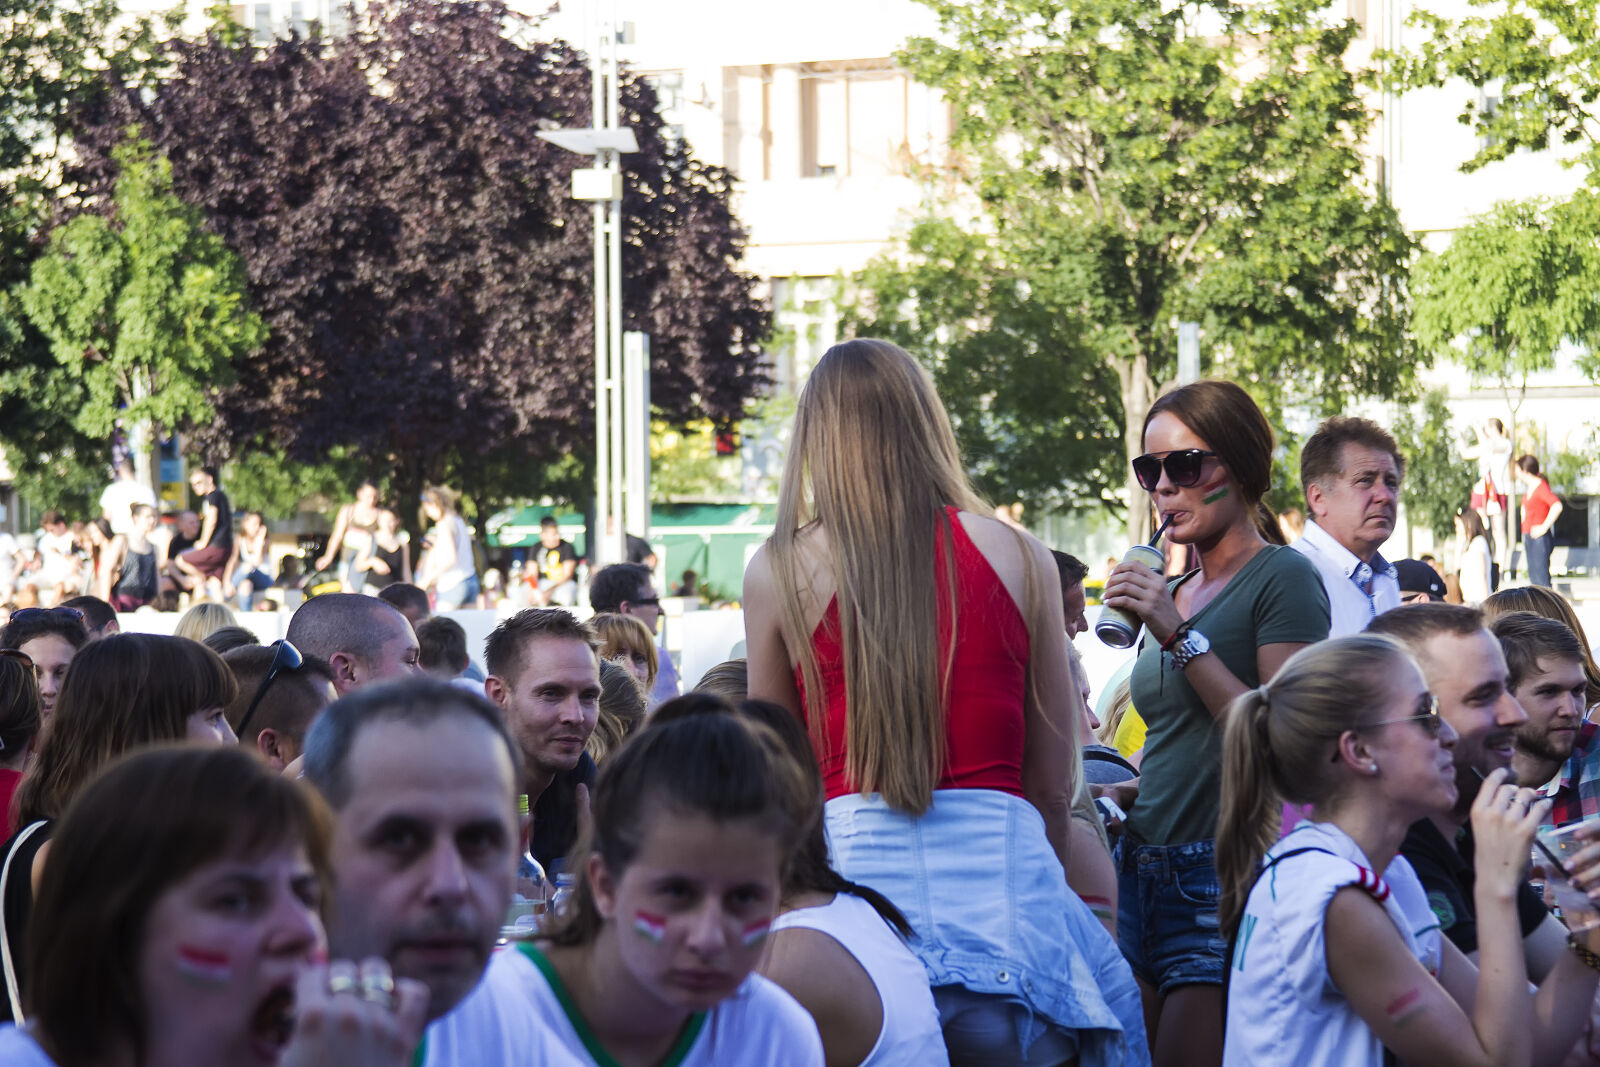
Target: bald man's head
(362,638)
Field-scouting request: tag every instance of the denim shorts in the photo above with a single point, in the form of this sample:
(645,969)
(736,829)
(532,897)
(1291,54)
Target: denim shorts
(457,596)
(1167,922)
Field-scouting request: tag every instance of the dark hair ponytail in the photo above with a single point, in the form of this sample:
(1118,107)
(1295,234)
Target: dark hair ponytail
(694,757)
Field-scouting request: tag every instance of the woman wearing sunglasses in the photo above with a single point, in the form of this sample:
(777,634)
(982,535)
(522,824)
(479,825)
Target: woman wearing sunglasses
(1337,953)
(1210,636)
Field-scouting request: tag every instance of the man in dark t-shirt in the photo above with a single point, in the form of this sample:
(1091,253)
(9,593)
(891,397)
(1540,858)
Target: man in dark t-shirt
(554,576)
(1466,671)
(1446,872)
(209,557)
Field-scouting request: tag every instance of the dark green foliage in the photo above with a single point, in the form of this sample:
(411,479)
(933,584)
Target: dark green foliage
(1438,481)
(1538,59)
(1134,164)
(413,248)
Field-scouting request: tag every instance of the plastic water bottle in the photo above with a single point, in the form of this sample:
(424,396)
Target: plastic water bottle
(566,883)
(530,904)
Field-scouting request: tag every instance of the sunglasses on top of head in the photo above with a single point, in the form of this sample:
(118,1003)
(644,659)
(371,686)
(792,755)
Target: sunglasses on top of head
(1183,468)
(285,657)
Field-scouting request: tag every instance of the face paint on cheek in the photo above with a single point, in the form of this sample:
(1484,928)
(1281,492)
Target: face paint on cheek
(204,966)
(755,933)
(1214,492)
(653,928)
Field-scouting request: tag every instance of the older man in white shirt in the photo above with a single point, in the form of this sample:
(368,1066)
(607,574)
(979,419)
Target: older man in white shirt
(1351,470)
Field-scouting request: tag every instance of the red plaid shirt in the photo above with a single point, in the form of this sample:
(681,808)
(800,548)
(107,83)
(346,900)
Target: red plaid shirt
(1576,792)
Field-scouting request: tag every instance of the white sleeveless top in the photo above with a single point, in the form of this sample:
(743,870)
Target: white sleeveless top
(464,567)
(911,1032)
(1283,1008)
(758,1024)
(491,1027)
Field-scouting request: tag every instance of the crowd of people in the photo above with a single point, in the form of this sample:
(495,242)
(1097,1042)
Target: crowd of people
(135,557)
(901,830)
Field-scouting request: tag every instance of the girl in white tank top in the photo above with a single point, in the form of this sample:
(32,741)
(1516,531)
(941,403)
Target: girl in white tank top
(863,953)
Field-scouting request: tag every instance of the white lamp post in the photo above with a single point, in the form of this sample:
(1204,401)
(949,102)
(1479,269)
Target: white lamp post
(601,184)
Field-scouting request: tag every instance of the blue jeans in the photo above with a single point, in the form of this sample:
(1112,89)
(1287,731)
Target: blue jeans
(258,580)
(1539,556)
(459,595)
(1167,923)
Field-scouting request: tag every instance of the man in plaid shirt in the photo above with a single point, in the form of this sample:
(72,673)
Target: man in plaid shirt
(1556,751)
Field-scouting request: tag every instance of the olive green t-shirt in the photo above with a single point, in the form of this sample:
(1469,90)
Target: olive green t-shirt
(1277,597)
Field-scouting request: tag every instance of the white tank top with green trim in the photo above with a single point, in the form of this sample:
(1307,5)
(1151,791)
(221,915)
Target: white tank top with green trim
(758,1024)
(493,1027)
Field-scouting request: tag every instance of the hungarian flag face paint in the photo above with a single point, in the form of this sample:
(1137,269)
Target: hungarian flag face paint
(653,928)
(754,933)
(204,966)
(1214,492)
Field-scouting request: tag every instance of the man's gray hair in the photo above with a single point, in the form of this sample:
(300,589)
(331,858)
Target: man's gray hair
(416,700)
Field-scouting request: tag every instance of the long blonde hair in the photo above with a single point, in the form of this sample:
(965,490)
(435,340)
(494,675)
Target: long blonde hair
(1276,743)
(874,462)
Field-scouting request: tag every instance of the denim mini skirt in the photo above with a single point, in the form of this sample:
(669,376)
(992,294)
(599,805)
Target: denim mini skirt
(991,911)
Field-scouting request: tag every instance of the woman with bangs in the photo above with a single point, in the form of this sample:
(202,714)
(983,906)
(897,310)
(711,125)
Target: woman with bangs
(923,643)
(178,925)
(626,641)
(122,692)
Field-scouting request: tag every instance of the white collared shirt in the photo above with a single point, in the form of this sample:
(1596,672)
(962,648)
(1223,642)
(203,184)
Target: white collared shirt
(1344,576)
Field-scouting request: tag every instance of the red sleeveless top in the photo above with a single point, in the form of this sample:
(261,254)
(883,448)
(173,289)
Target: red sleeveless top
(984,721)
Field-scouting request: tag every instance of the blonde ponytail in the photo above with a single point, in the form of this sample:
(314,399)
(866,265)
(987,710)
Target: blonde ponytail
(1276,743)
(1248,824)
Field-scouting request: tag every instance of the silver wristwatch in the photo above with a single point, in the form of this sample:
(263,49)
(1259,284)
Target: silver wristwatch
(1194,644)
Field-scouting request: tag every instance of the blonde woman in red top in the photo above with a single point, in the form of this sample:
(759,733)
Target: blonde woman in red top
(923,643)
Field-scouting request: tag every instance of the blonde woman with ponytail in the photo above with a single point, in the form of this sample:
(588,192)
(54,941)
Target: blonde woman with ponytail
(923,644)
(1337,955)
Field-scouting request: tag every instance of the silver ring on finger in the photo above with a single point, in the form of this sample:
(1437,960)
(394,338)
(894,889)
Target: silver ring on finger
(341,983)
(378,988)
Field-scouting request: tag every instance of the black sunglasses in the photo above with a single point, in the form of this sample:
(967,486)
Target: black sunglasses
(286,658)
(24,614)
(1183,468)
(18,655)
(652,600)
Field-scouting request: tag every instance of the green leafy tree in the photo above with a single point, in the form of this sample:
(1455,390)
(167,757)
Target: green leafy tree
(416,253)
(54,56)
(1135,163)
(265,480)
(1514,286)
(1438,481)
(146,311)
(1021,386)
(1536,64)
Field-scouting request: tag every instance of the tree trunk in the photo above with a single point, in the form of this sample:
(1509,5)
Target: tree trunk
(1138,393)
(143,441)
